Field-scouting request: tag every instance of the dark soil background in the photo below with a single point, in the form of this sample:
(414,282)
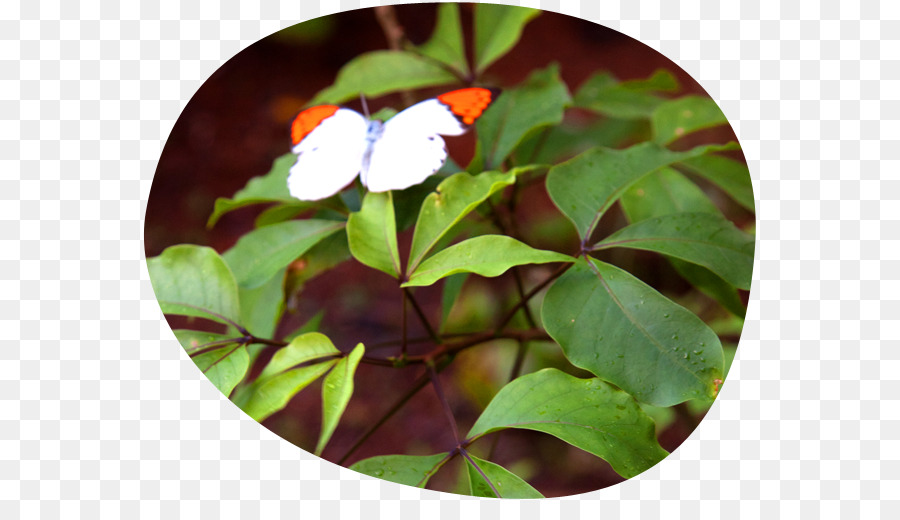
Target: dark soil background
(239,122)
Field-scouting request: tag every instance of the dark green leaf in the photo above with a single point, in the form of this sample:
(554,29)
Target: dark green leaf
(268,396)
(454,198)
(679,117)
(497,29)
(664,192)
(604,94)
(261,253)
(486,255)
(225,366)
(189,280)
(609,322)
(587,413)
(730,175)
(584,187)
(281,212)
(411,470)
(706,239)
(508,484)
(557,143)
(323,256)
(372,234)
(711,284)
(336,391)
(408,202)
(538,102)
(271,187)
(382,72)
(446,42)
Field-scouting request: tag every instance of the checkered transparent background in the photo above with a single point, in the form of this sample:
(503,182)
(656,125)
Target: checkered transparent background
(103,416)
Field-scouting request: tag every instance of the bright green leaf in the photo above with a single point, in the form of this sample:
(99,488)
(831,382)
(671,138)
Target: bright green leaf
(497,29)
(261,307)
(625,332)
(446,42)
(189,280)
(587,185)
(336,391)
(382,72)
(225,366)
(411,470)
(486,255)
(271,187)
(730,175)
(679,117)
(507,483)
(603,94)
(261,253)
(587,413)
(705,239)
(301,349)
(268,396)
(538,102)
(372,234)
(454,198)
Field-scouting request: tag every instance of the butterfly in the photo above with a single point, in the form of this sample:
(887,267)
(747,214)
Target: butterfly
(334,144)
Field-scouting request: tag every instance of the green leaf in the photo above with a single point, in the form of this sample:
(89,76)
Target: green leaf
(705,239)
(538,102)
(271,187)
(455,198)
(336,391)
(508,484)
(614,325)
(411,470)
(497,29)
(679,117)
(192,340)
(730,175)
(382,72)
(302,349)
(225,366)
(268,396)
(280,213)
(664,192)
(486,255)
(587,185)
(372,234)
(635,99)
(261,253)
(189,280)
(587,413)
(446,42)
(452,288)
(261,307)
(710,284)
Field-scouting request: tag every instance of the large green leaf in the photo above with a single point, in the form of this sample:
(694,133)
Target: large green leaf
(382,72)
(730,175)
(189,279)
(625,332)
(372,234)
(446,42)
(538,102)
(411,470)
(225,366)
(507,483)
(336,391)
(261,307)
(268,396)
(664,192)
(301,349)
(454,198)
(603,94)
(261,253)
(710,284)
(271,187)
(486,255)
(705,239)
(679,117)
(587,413)
(497,29)
(587,185)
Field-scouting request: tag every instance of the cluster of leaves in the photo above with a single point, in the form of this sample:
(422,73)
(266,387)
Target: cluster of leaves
(646,353)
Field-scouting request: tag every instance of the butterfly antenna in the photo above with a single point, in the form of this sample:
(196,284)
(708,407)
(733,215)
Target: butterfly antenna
(365,107)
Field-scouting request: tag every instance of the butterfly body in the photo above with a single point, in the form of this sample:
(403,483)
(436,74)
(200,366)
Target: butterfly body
(335,144)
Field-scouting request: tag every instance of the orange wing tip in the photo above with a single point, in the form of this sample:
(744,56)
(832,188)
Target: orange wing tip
(469,103)
(309,119)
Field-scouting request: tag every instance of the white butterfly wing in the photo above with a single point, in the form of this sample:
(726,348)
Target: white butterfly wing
(410,149)
(329,152)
